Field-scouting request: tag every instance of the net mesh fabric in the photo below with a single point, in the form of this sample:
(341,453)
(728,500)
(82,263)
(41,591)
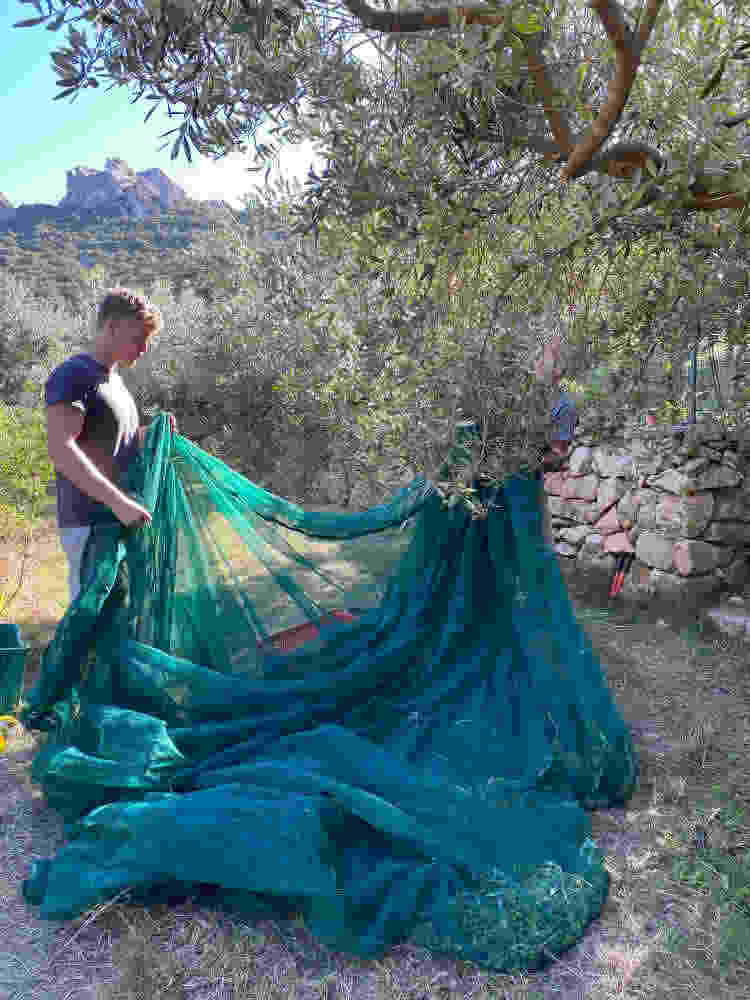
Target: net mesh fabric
(388,721)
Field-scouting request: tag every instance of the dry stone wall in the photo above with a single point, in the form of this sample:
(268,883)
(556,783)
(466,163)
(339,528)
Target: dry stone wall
(677,497)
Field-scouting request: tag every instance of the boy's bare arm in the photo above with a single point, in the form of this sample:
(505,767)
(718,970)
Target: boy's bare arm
(64,428)
(144,427)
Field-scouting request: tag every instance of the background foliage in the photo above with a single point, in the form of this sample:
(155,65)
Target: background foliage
(441,245)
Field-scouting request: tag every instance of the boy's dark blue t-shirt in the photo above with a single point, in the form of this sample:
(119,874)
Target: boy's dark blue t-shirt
(111,420)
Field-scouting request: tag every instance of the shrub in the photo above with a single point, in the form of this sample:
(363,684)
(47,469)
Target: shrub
(25,468)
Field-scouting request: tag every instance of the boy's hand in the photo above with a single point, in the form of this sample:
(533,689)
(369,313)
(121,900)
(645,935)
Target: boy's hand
(130,512)
(141,432)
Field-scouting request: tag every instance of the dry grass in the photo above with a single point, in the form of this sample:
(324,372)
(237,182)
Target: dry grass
(675,924)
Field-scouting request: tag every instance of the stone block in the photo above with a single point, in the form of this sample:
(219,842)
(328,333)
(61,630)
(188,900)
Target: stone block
(731,623)
(672,481)
(609,492)
(647,514)
(717,476)
(560,522)
(672,533)
(731,508)
(736,574)
(692,557)
(563,549)
(695,513)
(629,503)
(574,535)
(573,510)
(655,551)
(639,449)
(694,465)
(580,461)
(725,555)
(598,564)
(592,545)
(590,514)
(608,463)
(619,542)
(583,488)
(608,523)
(729,532)
(743,440)
(667,519)
(555,506)
(635,532)
(684,516)
(553,483)
(651,468)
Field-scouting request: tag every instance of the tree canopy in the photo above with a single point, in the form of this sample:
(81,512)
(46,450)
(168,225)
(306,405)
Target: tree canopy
(503,163)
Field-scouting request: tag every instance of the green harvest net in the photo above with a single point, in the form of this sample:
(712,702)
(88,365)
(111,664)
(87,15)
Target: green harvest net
(414,767)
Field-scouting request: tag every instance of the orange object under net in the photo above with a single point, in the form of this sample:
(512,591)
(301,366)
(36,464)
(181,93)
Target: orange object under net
(291,638)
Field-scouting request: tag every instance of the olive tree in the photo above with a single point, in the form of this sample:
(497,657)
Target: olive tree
(499,153)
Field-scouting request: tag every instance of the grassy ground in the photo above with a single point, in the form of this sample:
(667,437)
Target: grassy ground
(676,924)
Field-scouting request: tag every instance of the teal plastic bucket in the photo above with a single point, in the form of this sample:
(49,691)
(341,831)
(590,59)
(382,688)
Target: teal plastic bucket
(12,661)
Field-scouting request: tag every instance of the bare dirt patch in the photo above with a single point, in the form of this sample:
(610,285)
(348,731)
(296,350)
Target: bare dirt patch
(38,958)
(685,696)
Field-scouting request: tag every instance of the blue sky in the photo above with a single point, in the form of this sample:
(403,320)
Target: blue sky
(43,138)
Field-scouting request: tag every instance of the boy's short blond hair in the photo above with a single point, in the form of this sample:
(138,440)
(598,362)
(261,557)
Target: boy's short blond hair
(122,303)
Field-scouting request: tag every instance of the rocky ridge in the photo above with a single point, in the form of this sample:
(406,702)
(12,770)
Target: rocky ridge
(118,191)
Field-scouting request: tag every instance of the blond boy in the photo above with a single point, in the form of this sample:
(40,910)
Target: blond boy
(92,424)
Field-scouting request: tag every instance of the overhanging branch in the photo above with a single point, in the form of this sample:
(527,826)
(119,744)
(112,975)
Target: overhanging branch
(400,22)
(560,130)
(628,51)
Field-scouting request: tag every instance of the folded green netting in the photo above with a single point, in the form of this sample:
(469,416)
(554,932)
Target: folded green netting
(389,722)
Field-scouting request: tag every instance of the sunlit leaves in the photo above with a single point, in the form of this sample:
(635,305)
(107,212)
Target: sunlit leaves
(422,156)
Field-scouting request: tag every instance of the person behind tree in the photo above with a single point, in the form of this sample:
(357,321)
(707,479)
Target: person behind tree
(92,424)
(550,366)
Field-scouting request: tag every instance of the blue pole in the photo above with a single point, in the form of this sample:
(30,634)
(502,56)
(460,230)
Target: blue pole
(693,386)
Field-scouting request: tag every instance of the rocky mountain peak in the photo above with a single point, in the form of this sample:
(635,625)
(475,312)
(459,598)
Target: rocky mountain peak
(119,190)
(115,165)
(7,211)
(116,191)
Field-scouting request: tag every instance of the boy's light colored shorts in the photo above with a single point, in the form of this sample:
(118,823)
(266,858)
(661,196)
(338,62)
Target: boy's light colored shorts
(73,541)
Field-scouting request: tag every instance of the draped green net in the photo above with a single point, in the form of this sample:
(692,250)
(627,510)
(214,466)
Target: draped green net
(389,722)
